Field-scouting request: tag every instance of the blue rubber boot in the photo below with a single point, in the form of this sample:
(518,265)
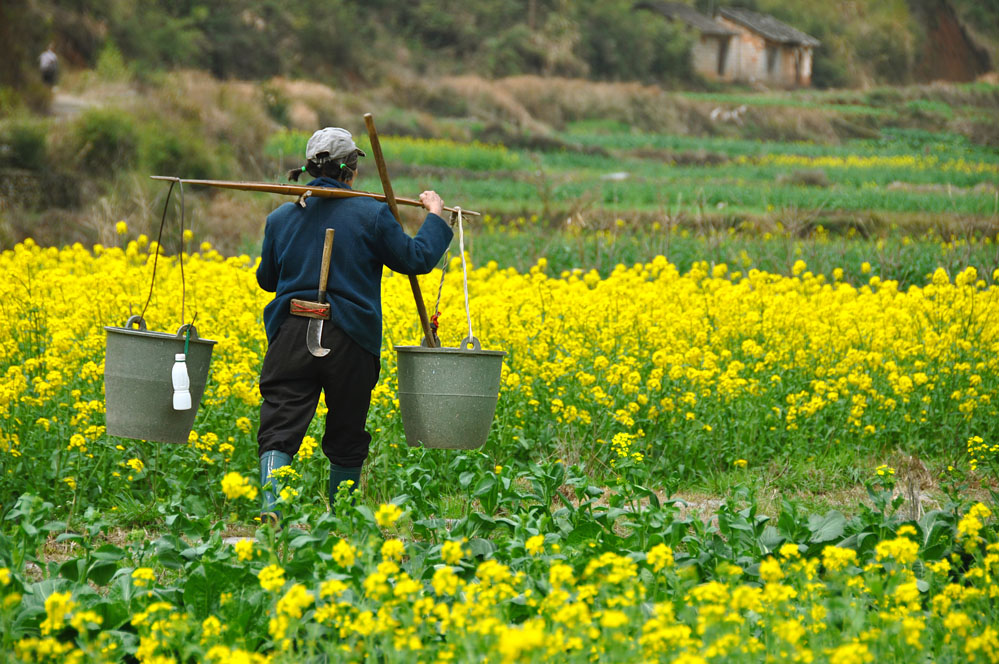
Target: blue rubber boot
(270,461)
(340,474)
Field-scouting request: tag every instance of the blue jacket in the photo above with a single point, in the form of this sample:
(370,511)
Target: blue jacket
(367,238)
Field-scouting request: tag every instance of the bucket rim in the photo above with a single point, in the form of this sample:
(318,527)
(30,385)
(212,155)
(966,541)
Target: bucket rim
(156,335)
(448,350)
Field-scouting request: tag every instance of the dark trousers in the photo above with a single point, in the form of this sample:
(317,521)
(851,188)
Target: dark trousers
(290,383)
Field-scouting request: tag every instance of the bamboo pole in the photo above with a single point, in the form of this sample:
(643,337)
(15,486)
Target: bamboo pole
(376,148)
(299,190)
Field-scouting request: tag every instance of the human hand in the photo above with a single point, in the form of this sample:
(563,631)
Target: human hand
(432,202)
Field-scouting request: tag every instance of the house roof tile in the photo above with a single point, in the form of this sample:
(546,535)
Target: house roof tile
(767,26)
(677,11)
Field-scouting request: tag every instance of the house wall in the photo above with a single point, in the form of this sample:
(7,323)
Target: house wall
(749,55)
(704,59)
(785,76)
(806,65)
(804,76)
(792,74)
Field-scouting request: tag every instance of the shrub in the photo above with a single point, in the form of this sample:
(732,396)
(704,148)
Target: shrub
(276,102)
(512,51)
(105,138)
(168,151)
(929,110)
(809,177)
(111,65)
(10,101)
(22,145)
(287,147)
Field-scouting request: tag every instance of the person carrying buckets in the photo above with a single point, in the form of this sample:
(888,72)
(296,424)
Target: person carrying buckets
(342,358)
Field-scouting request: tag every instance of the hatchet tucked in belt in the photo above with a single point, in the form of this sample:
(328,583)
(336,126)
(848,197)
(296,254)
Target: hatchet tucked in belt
(320,310)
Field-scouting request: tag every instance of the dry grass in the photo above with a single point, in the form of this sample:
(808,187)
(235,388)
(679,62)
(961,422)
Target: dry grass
(490,101)
(536,105)
(230,222)
(312,104)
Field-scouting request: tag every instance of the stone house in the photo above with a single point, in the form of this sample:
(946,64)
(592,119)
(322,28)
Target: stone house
(739,45)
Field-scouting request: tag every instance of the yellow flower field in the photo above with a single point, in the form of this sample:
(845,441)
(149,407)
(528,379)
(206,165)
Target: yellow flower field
(552,543)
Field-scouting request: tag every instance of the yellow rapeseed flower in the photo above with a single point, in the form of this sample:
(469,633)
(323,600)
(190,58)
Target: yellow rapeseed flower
(272,578)
(211,627)
(659,557)
(236,486)
(836,558)
(57,606)
(387,514)
(535,545)
(244,549)
(143,576)
(294,602)
(770,570)
(901,549)
(393,549)
(344,554)
(452,552)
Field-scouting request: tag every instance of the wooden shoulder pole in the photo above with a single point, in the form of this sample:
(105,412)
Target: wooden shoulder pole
(376,150)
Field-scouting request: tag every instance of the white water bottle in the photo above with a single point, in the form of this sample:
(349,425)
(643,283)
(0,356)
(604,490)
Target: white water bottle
(181,383)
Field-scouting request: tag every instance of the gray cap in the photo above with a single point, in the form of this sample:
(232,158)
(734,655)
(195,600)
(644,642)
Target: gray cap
(336,142)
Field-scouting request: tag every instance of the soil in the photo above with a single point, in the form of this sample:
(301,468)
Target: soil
(950,53)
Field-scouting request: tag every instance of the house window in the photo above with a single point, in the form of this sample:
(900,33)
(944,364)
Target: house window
(771,58)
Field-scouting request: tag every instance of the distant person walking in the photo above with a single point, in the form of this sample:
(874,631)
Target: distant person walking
(48,63)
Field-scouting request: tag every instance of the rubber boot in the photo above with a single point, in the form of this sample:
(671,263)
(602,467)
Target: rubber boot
(270,461)
(340,474)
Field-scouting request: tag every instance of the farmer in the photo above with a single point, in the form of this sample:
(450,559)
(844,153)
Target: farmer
(367,238)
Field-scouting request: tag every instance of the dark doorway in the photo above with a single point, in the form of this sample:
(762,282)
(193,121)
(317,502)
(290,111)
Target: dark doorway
(723,43)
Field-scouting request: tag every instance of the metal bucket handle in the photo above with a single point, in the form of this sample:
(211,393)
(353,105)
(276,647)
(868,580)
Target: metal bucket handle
(470,343)
(136,320)
(182,331)
(140,322)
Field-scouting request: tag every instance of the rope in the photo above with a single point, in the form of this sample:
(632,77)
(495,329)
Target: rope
(183,284)
(464,271)
(159,238)
(437,305)
(299,308)
(159,247)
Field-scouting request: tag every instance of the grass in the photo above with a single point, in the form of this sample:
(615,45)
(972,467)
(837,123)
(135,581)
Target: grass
(901,173)
(809,101)
(860,253)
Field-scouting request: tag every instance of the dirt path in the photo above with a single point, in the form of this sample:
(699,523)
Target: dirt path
(67,105)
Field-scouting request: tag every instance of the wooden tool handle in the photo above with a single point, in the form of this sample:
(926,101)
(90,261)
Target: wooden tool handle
(376,151)
(324,271)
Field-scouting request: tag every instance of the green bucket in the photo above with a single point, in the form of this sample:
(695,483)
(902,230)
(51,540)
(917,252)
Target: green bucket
(447,396)
(138,390)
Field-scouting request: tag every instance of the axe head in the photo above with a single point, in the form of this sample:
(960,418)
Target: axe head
(314,338)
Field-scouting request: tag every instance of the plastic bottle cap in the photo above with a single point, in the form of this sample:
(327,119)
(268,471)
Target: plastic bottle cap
(180,357)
